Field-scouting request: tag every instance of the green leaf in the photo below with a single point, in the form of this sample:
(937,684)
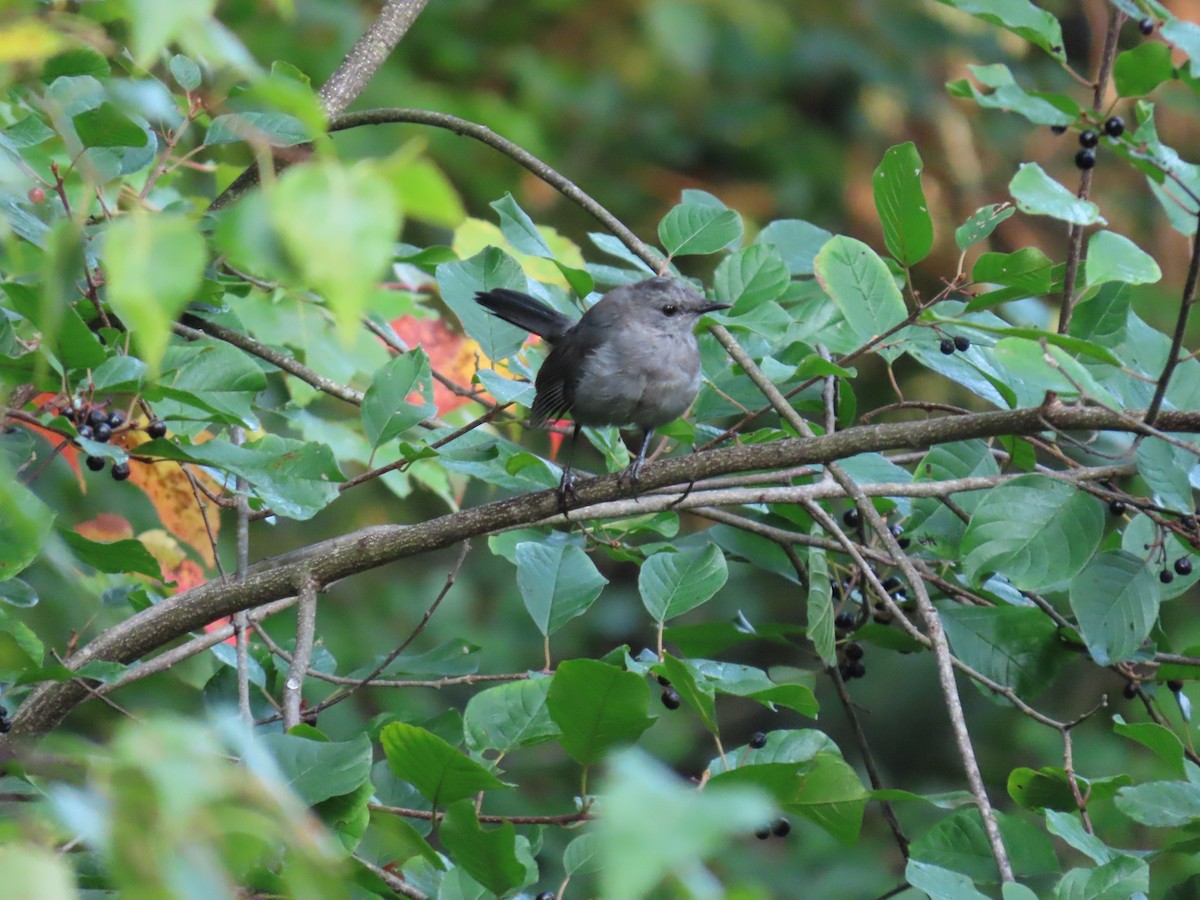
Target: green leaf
(30,871)
(1034,530)
(1118,879)
(185,72)
(297,479)
(748,681)
(1113,257)
(1038,194)
(634,857)
(1020,17)
(582,854)
(819,605)
(154,265)
(939,883)
(488,855)
(1161,803)
(519,230)
(930,517)
(338,225)
(900,202)
(695,690)
(558,582)
(439,771)
(1049,788)
(754,275)
(1165,468)
(831,794)
(318,770)
(1162,741)
(114,556)
(155,24)
(797,241)
(959,843)
(982,223)
(25,521)
(698,228)
(1038,107)
(210,375)
(862,288)
(1028,270)
(1069,827)
(387,409)
(425,193)
(509,716)
(597,707)
(107,126)
(460,281)
(1138,71)
(1016,646)
(673,583)
(274,129)
(1115,600)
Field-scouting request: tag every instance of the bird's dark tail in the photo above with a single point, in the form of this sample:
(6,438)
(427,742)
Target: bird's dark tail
(525,312)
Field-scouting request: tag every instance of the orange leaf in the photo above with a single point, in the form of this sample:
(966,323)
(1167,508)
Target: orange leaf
(170,491)
(106,528)
(449,352)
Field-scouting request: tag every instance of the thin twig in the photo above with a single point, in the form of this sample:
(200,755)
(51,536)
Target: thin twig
(241,618)
(306,625)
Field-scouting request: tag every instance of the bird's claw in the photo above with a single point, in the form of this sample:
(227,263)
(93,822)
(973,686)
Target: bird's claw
(566,491)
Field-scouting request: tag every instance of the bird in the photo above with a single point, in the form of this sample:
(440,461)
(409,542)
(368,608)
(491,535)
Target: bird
(630,361)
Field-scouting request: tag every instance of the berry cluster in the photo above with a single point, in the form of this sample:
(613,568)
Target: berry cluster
(851,664)
(95,423)
(1183,568)
(781,827)
(670,696)
(1085,158)
(959,343)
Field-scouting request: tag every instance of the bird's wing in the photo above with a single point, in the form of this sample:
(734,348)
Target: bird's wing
(559,375)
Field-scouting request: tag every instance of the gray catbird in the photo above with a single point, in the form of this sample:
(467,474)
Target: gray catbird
(631,360)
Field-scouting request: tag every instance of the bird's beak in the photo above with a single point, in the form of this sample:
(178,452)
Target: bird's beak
(713,307)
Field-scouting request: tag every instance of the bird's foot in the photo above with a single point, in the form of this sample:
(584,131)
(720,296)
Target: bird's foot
(630,475)
(566,491)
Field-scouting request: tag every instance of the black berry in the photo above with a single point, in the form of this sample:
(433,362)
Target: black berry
(85,431)
(5,724)
(781,828)
(946,346)
(1059,129)
(891,583)
(896,530)
(1131,690)
(1088,139)
(120,471)
(1165,577)
(1183,566)
(962,344)
(851,517)
(1114,126)
(1085,158)
(758,740)
(763,833)
(1116,507)
(96,416)
(546,895)
(855,669)
(671,698)
(157,429)
(96,463)
(1175,684)
(1146,26)
(854,650)
(102,432)
(116,419)
(904,542)
(845,621)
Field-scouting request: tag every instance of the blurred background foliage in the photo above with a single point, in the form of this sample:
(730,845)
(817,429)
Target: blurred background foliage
(782,109)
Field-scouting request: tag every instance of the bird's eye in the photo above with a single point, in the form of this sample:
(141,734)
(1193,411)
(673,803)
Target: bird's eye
(670,310)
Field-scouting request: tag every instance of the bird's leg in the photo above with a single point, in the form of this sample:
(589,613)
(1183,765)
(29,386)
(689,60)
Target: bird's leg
(566,487)
(634,469)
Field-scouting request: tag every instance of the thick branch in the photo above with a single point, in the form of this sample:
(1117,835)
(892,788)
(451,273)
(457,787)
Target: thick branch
(371,547)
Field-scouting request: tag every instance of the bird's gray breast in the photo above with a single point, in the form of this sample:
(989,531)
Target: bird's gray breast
(638,379)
